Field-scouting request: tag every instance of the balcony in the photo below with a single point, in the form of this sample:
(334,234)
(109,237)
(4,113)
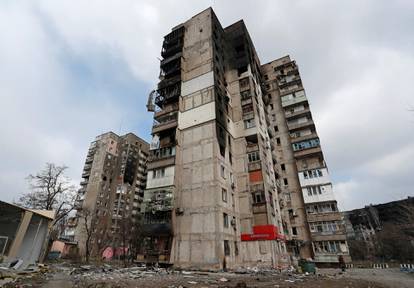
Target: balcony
(253,166)
(295,114)
(161,157)
(252,148)
(307,152)
(288,101)
(168,93)
(257,187)
(84,183)
(171,65)
(283,83)
(89,160)
(294,138)
(329,235)
(173,42)
(259,208)
(167,109)
(300,125)
(167,122)
(86,174)
(327,216)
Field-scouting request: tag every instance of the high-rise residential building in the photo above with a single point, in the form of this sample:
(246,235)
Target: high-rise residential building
(311,216)
(111,192)
(216,194)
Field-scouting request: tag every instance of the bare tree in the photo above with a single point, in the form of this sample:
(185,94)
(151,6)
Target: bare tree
(125,229)
(50,190)
(87,218)
(137,237)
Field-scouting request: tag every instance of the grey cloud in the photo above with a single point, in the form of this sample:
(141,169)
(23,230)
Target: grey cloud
(355,57)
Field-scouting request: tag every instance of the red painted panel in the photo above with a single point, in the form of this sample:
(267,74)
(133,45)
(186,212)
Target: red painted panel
(256,176)
(261,232)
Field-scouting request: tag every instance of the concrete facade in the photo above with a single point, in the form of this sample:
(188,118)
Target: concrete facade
(233,146)
(314,224)
(222,209)
(112,191)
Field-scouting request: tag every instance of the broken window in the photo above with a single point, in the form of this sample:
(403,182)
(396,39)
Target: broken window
(259,197)
(225,220)
(224,195)
(226,248)
(253,156)
(294,231)
(222,171)
(249,123)
(283,167)
(285,181)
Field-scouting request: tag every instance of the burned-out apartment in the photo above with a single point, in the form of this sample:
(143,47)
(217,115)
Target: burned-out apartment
(111,193)
(236,174)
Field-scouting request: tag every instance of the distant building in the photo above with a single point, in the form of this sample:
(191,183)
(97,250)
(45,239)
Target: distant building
(366,227)
(111,192)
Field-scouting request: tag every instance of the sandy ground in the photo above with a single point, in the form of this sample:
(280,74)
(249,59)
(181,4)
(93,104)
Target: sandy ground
(392,278)
(63,277)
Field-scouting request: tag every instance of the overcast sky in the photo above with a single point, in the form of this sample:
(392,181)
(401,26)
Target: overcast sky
(70,70)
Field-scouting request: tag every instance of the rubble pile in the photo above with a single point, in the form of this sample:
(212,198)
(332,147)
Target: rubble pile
(9,275)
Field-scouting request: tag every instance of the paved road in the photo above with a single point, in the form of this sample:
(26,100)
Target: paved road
(392,277)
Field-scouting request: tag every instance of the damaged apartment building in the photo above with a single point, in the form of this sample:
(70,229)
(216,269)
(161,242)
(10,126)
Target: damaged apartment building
(111,193)
(236,174)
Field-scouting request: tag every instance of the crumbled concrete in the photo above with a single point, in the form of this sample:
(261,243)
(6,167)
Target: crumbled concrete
(65,275)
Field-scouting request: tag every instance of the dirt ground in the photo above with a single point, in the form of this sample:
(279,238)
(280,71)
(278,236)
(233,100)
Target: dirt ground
(67,277)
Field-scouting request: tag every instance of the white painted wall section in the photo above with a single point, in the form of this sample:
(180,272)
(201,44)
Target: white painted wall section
(324,179)
(198,115)
(327,195)
(198,83)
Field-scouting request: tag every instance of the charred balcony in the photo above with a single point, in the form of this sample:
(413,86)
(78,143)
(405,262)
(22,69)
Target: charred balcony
(165,122)
(157,223)
(168,91)
(171,66)
(161,157)
(173,107)
(173,42)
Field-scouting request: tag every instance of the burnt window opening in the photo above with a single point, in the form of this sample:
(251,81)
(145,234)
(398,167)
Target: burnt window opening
(226,220)
(239,49)
(278,141)
(294,231)
(285,181)
(283,167)
(224,195)
(226,248)
(222,150)
(241,70)
(276,128)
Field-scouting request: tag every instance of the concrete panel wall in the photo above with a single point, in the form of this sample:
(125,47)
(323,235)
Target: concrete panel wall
(197,115)
(198,83)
